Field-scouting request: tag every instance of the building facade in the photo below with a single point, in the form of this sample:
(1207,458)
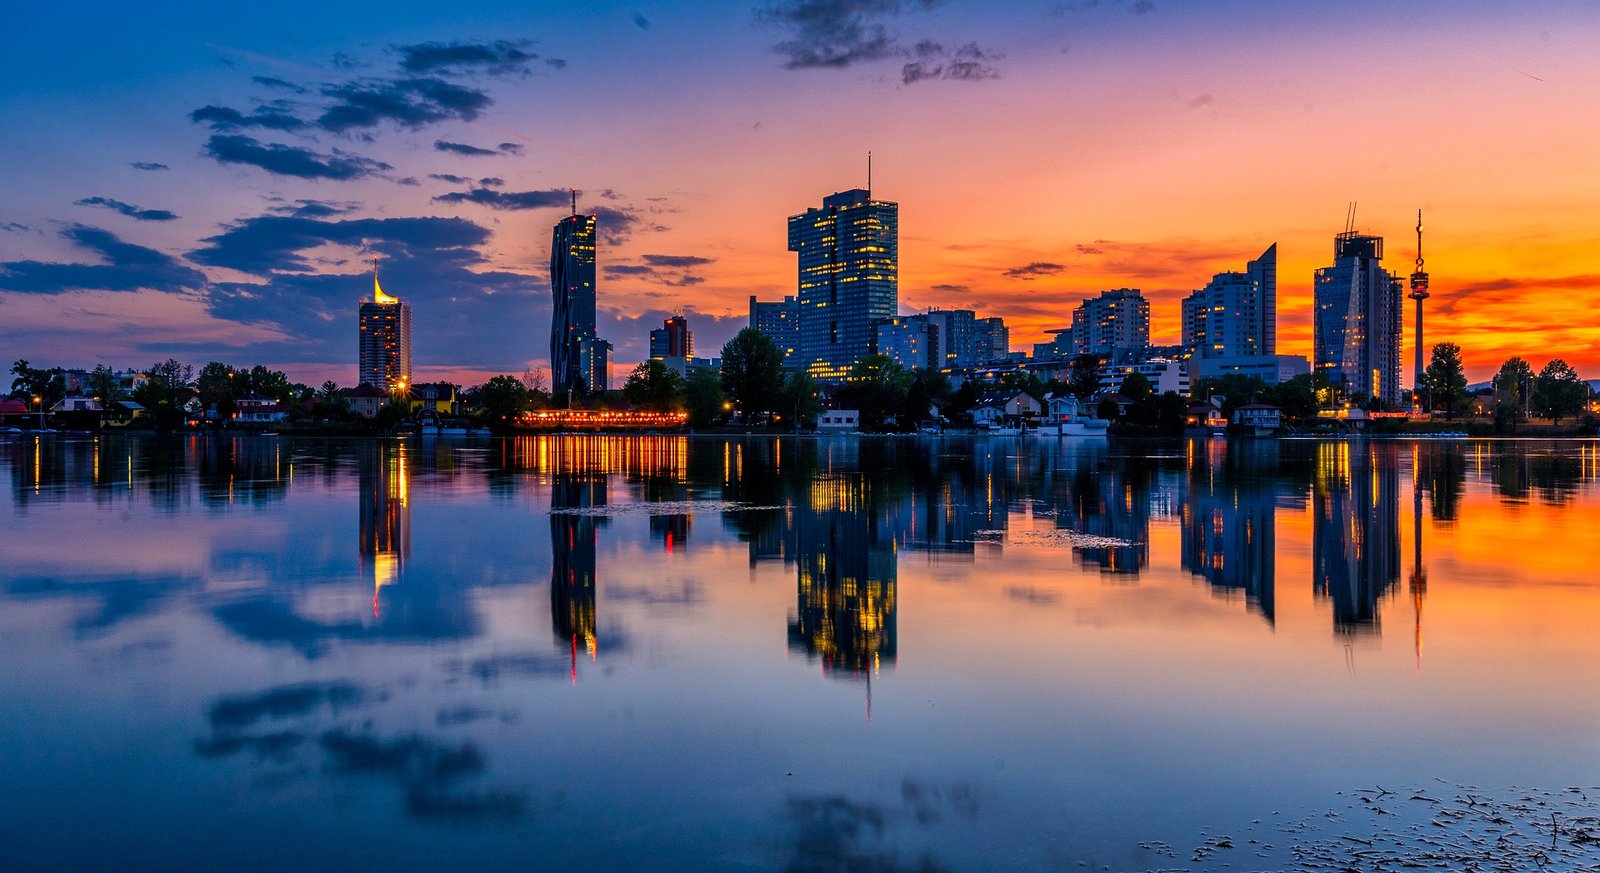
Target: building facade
(1236,314)
(384,323)
(779,322)
(1116,321)
(673,339)
(1358,320)
(579,359)
(991,341)
(849,255)
(912,341)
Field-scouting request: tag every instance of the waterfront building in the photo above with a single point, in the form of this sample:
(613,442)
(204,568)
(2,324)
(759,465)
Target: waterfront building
(579,359)
(1358,320)
(385,339)
(1235,316)
(1116,321)
(779,322)
(1165,374)
(848,278)
(912,341)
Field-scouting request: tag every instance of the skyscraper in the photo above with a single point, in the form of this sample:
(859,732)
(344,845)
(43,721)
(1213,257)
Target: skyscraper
(579,359)
(991,341)
(1358,320)
(385,333)
(1236,314)
(848,278)
(780,322)
(912,341)
(1116,321)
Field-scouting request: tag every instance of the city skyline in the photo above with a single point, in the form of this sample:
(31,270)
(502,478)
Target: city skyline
(1141,156)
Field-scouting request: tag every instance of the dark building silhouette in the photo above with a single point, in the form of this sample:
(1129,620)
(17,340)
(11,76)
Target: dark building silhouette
(572,567)
(1355,498)
(579,359)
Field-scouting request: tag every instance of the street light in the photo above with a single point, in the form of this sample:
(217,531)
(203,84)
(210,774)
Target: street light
(38,404)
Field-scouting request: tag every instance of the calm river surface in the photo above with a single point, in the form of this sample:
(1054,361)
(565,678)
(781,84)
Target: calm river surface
(699,653)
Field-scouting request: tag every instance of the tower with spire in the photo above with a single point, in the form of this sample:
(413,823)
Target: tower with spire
(384,324)
(579,359)
(1419,293)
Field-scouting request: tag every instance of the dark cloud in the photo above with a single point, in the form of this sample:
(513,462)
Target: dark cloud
(451,178)
(275,745)
(952,289)
(461,148)
(1090,249)
(408,102)
(1032,271)
(528,665)
(316,208)
(969,63)
(491,181)
(128,209)
(510,148)
(1142,7)
(677,260)
(555,63)
(512,200)
(269,116)
(616,224)
(14,227)
(127,267)
(630,269)
(640,21)
(295,161)
(148,166)
(497,58)
(271,244)
(284,701)
(275,82)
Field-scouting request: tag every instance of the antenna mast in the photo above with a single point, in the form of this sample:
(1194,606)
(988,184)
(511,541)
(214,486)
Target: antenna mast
(574,200)
(869,174)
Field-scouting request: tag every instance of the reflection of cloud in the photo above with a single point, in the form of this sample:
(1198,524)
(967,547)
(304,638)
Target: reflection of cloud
(536,665)
(1033,596)
(686,593)
(428,773)
(836,833)
(286,701)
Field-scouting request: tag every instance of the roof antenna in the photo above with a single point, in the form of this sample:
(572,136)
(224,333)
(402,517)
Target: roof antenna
(869,174)
(574,200)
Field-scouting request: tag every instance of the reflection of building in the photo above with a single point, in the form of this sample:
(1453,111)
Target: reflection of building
(1355,540)
(385,361)
(572,565)
(672,530)
(1357,336)
(384,483)
(848,278)
(1228,527)
(846,590)
(579,359)
(1108,497)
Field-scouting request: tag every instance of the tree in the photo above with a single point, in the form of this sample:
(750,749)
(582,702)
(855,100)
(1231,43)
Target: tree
(215,385)
(105,385)
(1513,388)
(652,386)
(702,394)
(503,399)
(268,383)
(47,385)
(929,389)
(752,368)
(1085,376)
(797,399)
(163,393)
(1558,392)
(1445,380)
(1170,410)
(877,387)
(1136,387)
(1297,397)
(1234,389)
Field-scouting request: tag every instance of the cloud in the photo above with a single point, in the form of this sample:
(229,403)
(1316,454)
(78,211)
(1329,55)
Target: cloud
(295,161)
(640,21)
(148,166)
(275,82)
(1200,101)
(491,181)
(128,209)
(408,102)
(969,63)
(269,116)
(511,200)
(271,244)
(128,267)
(1032,271)
(496,58)
(451,178)
(316,208)
(511,148)
(677,260)
(460,148)
(952,289)
(14,227)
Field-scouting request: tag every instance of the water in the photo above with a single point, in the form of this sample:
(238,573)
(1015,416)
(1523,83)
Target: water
(671,653)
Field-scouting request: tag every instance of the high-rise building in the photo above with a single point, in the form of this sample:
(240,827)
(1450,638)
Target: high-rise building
(385,328)
(1116,321)
(780,322)
(1236,314)
(991,341)
(679,338)
(957,328)
(1358,320)
(1060,347)
(579,359)
(912,341)
(848,278)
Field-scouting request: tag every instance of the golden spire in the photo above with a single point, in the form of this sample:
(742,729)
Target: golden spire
(377,290)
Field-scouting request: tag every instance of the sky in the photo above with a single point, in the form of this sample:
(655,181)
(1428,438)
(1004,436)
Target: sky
(209,182)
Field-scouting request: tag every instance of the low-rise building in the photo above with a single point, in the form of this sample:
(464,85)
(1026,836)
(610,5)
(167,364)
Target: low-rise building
(839,420)
(1261,416)
(365,400)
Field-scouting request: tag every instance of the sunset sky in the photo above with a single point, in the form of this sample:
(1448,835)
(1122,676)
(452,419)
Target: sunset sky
(210,181)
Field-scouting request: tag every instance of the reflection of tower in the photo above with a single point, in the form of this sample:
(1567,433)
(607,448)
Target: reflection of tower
(846,590)
(1229,528)
(1355,531)
(1419,573)
(1108,497)
(385,514)
(572,565)
(672,530)
(1419,293)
